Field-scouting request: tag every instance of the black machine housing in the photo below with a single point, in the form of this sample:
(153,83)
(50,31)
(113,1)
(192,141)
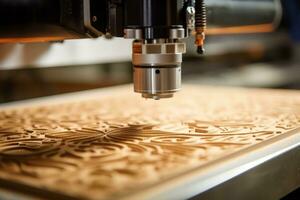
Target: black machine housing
(93,17)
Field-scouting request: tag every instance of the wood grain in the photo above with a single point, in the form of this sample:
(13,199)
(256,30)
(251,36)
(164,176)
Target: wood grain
(104,147)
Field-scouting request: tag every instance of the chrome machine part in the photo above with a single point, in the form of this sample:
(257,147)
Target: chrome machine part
(133,33)
(190,19)
(87,19)
(157,67)
(157,28)
(158,82)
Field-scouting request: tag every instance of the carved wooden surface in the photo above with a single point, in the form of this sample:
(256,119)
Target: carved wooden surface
(106,147)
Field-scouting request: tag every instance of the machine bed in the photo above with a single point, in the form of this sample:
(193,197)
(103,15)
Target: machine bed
(205,143)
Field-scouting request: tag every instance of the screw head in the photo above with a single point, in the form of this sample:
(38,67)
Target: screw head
(94,18)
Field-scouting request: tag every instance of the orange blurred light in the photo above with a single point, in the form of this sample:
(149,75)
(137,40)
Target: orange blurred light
(263,28)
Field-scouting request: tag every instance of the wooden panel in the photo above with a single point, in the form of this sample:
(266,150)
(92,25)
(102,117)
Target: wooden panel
(100,146)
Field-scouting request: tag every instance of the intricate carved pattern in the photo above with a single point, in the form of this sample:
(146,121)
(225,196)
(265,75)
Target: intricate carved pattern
(107,146)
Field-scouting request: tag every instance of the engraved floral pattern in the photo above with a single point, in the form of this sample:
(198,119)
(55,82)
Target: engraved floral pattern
(103,147)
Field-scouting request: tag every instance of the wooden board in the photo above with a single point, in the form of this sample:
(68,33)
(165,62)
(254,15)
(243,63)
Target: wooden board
(106,145)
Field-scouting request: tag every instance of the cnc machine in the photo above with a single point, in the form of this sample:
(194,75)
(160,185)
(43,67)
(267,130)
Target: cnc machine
(205,143)
(158,29)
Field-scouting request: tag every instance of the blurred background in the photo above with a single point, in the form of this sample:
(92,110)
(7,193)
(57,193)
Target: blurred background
(264,59)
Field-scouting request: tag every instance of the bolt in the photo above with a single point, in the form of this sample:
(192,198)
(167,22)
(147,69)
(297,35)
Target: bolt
(94,18)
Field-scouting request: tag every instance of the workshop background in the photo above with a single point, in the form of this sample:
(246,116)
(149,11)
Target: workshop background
(268,60)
